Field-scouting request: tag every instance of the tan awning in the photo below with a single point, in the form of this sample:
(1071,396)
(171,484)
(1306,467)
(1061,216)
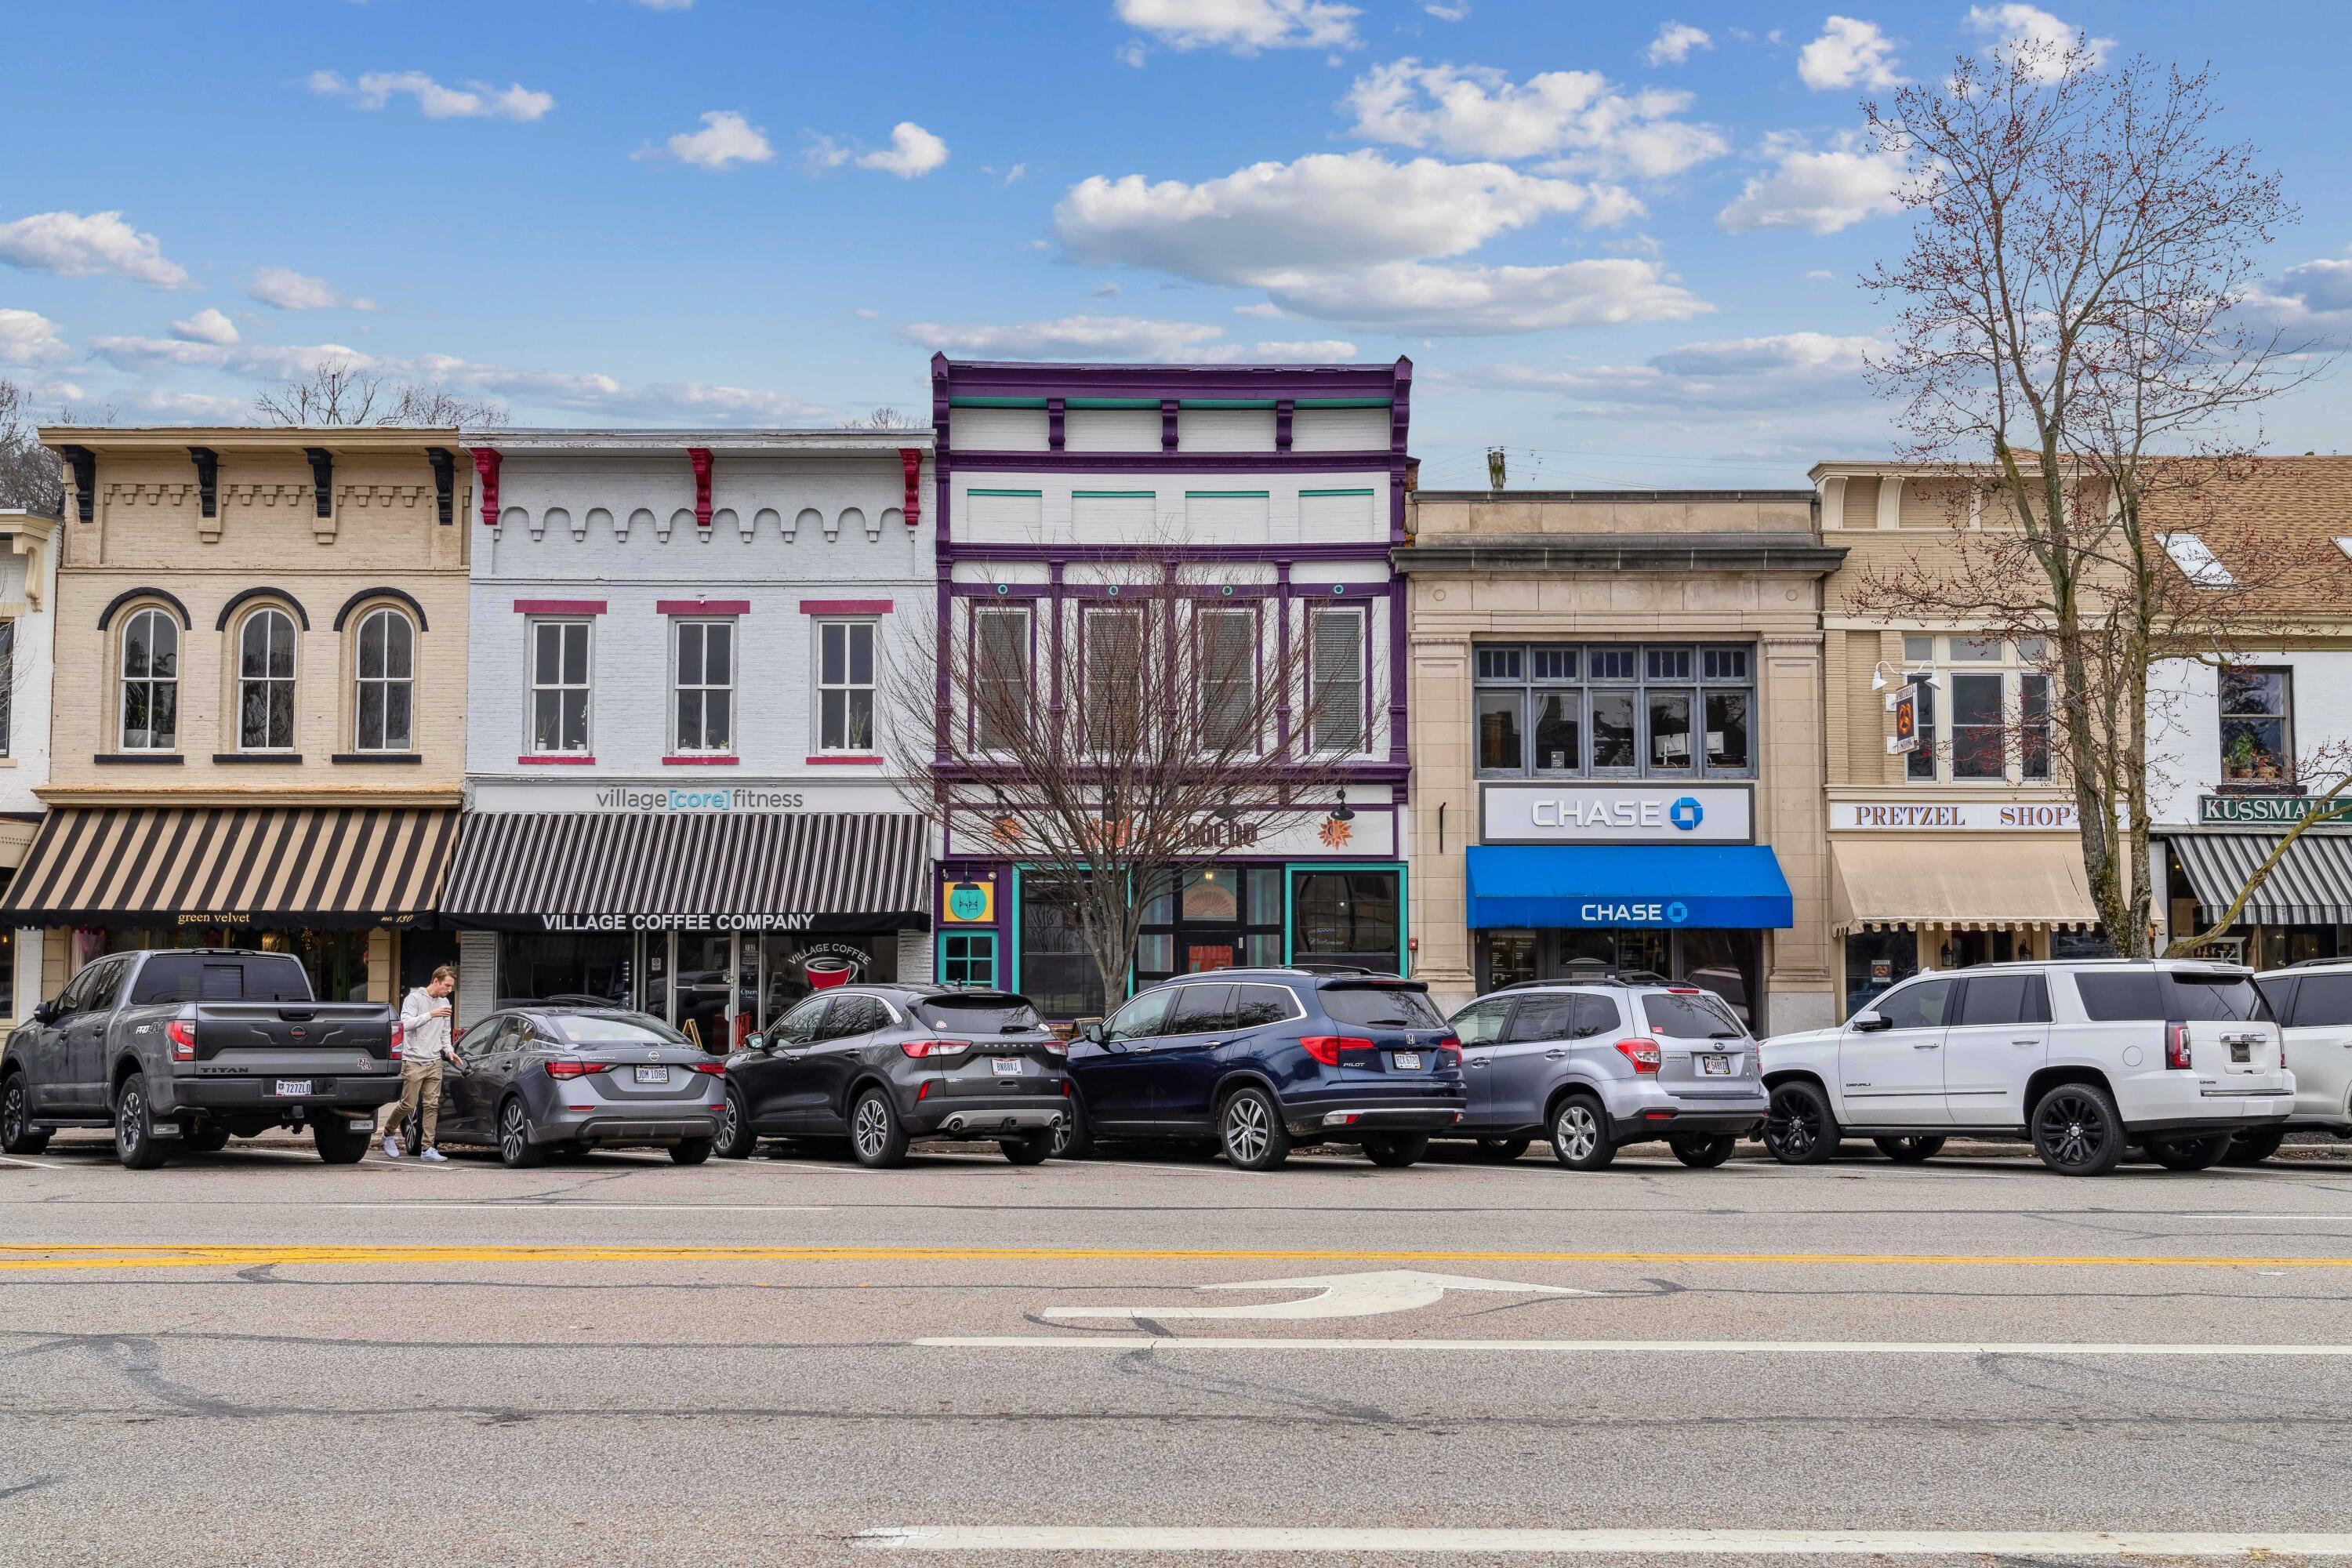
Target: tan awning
(16,838)
(2021,884)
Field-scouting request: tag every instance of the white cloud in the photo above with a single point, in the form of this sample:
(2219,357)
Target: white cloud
(666,4)
(27,338)
(1819,191)
(726,137)
(913,152)
(1674,43)
(2029,28)
(1737,378)
(1072,337)
(1820,274)
(1319,350)
(162,405)
(283,289)
(475,100)
(2310,303)
(1244,26)
(1270,311)
(95,244)
(1849,52)
(1473,300)
(206,326)
(1581,117)
(1448,13)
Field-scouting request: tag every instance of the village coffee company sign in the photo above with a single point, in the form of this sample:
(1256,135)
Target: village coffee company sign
(1952,817)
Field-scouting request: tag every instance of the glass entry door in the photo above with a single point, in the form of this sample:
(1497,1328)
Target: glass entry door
(706,987)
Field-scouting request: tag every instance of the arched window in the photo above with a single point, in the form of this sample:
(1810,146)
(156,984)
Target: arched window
(150,682)
(265,682)
(387,664)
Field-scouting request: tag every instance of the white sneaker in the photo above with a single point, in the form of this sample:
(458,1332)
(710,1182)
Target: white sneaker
(391,1148)
(434,1157)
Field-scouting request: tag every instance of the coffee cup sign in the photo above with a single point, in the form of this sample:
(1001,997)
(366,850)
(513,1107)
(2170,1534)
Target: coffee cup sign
(825,971)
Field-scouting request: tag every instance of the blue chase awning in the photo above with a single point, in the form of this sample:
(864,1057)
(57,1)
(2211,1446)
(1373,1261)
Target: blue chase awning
(1737,886)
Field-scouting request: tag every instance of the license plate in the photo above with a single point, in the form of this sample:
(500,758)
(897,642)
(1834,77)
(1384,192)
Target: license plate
(1408,1061)
(2239,1053)
(653,1075)
(290,1086)
(1008,1066)
(1715,1067)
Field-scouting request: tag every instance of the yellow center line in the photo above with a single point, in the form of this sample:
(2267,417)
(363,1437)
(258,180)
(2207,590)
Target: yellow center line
(18,1257)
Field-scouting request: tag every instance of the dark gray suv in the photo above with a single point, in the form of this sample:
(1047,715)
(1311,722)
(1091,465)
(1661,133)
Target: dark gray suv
(883,1065)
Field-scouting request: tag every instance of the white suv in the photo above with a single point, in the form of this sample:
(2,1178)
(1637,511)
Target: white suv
(2083,1058)
(2313,1001)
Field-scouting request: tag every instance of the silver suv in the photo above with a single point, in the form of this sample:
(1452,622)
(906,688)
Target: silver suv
(2313,1003)
(1597,1065)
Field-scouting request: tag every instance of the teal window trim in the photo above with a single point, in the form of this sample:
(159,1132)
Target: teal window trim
(1265,403)
(1290,871)
(1228,495)
(1039,495)
(948,934)
(1345,402)
(1118,495)
(998,402)
(1356,492)
(1150,403)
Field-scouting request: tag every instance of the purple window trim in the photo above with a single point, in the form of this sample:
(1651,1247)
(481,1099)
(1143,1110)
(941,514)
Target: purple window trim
(1257,650)
(1014,592)
(1337,465)
(702,760)
(861,759)
(1363,671)
(559,759)
(558,606)
(1028,608)
(702,608)
(845,606)
(1265,554)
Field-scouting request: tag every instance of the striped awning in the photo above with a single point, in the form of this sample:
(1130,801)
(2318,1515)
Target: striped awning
(285,867)
(838,871)
(2311,885)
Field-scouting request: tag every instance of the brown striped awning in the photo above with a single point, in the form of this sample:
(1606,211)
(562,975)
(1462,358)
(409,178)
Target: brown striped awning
(285,867)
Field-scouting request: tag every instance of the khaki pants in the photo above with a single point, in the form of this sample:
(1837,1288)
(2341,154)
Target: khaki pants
(420,1092)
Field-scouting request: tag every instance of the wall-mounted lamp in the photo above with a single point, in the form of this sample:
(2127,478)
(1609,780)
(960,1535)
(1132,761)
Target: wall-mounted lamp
(1878,681)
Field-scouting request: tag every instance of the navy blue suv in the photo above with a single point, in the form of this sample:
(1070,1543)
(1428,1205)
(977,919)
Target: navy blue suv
(1267,1059)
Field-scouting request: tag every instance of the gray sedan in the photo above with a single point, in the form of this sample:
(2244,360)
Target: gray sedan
(541,1079)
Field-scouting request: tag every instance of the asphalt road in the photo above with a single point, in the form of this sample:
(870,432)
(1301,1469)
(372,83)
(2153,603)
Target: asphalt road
(252,1357)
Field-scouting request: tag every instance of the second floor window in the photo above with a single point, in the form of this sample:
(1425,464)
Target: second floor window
(706,686)
(2257,726)
(1335,694)
(150,682)
(387,673)
(845,685)
(1620,709)
(1228,680)
(265,682)
(1000,677)
(559,686)
(1992,722)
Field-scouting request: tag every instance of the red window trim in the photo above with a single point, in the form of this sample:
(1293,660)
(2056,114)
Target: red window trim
(845,606)
(558,606)
(838,758)
(692,760)
(558,759)
(702,607)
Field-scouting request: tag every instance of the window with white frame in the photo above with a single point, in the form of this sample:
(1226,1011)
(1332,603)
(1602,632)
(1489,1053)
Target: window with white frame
(150,682)
(1990,723)
(1000,675)
(1114,677)
(383,698)
(1335,695)
(558,688)
(7,696)
(845,685)
(1649,710)
(265,682)
(1228,679)
(703,677)
(2257,725)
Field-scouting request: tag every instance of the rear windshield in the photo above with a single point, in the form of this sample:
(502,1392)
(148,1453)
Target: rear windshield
(1381,1007)
(195,977)
(617,1032)
(980,1015)
(1690,1018)
(2150,995)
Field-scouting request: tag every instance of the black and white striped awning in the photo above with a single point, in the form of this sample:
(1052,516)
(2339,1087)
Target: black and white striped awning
(2311,885)
(837,871)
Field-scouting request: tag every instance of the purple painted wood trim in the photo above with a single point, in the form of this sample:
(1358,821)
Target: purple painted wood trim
(558,606)
(1367,549)
(1167,422)
(702,607)
(1060,709)
(971,378)
(845,606)
(942,468)
(1306,592)
(1170,461)
(1284,407)
(1282,708)
(1055,409)
(1014,592)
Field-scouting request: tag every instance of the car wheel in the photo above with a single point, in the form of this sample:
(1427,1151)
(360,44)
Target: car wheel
(2253,1148)
(2077,1130)
(1703,1154)
(338,1141)
(16,1134)
(1073,1139)
(135,1127)
(1580,1134)
(876,1134)
(1503,1151)
(1397,1152)
(1250,1126)
(1909,1151)
(2189,1154)
(1030,1148)
(690,1151)
(1799,1129)
(736,1139)
(516,1149)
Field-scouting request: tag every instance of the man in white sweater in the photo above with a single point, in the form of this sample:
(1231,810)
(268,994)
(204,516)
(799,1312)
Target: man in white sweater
(424,1026)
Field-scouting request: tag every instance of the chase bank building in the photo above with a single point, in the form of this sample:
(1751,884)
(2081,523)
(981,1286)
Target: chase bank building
(1617,713)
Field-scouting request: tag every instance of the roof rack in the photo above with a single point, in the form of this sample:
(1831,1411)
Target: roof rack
(2316,962)
(1613,977)
(1316,966)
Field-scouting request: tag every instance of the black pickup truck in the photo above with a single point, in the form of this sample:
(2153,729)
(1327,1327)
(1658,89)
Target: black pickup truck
(187,1049)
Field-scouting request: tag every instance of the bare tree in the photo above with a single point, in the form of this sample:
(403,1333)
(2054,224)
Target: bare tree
(1142,732)
(433,407)
(885,418)
(29,475)
(338,391)
(2069,351)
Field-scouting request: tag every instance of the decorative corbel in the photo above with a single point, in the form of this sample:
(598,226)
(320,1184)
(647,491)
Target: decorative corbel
(910,459)
(322,478)
(1284,409)
(700,457)
(1167,407)
(1056,409)
(486,467)
(445,479)
(84,463)
(207,480)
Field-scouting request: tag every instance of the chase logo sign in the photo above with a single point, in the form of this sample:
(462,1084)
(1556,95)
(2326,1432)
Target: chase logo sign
(1628,812)
(1686,813)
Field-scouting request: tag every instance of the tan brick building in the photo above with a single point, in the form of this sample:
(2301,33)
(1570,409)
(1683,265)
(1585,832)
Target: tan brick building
(261,676)
(1618,741)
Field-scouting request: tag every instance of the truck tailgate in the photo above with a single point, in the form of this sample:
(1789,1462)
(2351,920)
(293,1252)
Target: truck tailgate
(283,1036)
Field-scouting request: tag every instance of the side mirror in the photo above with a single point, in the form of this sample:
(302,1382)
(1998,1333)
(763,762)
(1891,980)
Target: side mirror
(1869,1021)
(1092,1033)
(46,1013)
(756,1041)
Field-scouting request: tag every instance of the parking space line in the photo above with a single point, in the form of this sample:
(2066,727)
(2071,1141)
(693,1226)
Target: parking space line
(1627,1543)
(28,1164)
(1176,1342)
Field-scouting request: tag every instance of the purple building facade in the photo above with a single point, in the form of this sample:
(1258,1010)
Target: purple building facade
(1279,489)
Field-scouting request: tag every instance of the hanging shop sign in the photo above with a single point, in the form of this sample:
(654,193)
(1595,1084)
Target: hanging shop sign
(971,901)
(1903,703)
(2267,810)
(1952,817)
(1570,812)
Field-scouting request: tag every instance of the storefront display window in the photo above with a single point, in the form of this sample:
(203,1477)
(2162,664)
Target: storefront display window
(549,966)
(791,965)
(1727,962)
(336,961)
(1345,917)
(1058,972)
(1672,711)
(1218,917)
(1874,960)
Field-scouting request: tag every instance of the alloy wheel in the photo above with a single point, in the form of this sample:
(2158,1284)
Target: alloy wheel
(727,1124)
(13,1113)
(130,1119)
(2073,1127)
(1794,1129)
(1580,1131)
(514,1137)
(873,1129)
(1246,1129)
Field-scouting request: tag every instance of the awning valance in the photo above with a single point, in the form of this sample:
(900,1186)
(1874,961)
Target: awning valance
(841,871)
(282,866)
(2025,884)
(1737,886)
(2311,885)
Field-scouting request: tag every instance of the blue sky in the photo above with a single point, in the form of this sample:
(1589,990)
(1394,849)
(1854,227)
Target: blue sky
(1619,239)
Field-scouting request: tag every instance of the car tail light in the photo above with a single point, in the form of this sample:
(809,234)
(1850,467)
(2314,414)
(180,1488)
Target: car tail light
(935,1047)
(1644,1054)
(1056,1047)
(1682,990)
(183,1040)
(716,1069)
(400,1039)
(1326,1049)
(2176,1045)
(1449,1052)
(576,1069)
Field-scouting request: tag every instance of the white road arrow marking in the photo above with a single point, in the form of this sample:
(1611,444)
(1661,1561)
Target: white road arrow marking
(1363,1295)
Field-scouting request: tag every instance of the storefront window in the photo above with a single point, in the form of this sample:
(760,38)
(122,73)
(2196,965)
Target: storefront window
(784,967)
(595,968)
(1669,712)
(336,961)
(1727,962)
(1214,917)
(968,958)
(1345,917)
(1058,972)
(1875,959)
